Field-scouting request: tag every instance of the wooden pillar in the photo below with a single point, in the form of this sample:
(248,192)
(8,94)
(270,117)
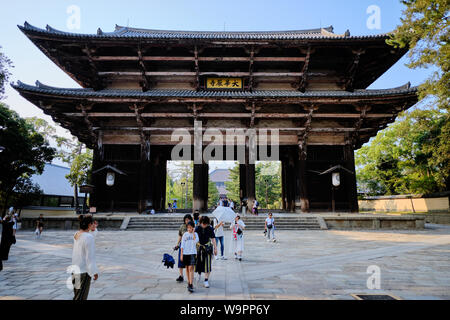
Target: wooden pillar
(349,163)
(283,184)
(301,192)
(200,183)
(242,181)
(290,180)
(250,184)
(163,185)
(95,181)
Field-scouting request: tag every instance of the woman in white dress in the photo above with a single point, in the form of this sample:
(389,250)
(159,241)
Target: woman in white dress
(237,237)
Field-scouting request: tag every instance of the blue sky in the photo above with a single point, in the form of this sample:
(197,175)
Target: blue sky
(230,15)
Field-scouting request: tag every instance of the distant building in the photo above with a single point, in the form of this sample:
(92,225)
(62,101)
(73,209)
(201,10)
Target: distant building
(219,177)
(56,189)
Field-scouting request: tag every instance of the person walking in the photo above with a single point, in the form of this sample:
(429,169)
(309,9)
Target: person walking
(15,218)
(231,204)
(255,207)
(174,206)
(39,226)
(218,231)
(181,231)
(7,238)
(188,250)
(196,217)
(83,258)
(269,225)
(206,247)
(237,237)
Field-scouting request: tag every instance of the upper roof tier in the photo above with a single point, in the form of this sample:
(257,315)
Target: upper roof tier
(314,59)
(128,32)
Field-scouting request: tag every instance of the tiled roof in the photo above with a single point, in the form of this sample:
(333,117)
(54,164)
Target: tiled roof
(137,33)
(53,180)
(184,93)
(220,175)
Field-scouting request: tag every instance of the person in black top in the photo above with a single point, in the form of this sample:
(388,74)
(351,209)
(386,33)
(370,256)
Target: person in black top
(7,237)
(206,247)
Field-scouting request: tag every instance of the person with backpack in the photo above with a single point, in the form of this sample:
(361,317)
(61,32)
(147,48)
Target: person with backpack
(270,227)
(189,252)
(206,248)
(237,237)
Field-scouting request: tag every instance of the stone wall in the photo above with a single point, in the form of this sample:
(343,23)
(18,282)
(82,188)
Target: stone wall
(440,204)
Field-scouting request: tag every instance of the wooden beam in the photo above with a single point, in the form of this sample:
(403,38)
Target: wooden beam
(351,72)
(227,115)
(212,59)
(145,80)
(304,79)
(250,69)
(197,70)
(190,74)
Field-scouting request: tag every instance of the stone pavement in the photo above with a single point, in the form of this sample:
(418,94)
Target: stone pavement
(326,264)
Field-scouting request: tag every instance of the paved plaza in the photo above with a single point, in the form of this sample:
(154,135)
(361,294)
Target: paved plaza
(325,264)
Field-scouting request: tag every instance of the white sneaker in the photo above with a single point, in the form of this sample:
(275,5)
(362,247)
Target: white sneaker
(274,240)
(216,257)
(206,284)
(223,258)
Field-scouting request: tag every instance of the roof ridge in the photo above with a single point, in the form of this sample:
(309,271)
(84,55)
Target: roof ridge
(326,33)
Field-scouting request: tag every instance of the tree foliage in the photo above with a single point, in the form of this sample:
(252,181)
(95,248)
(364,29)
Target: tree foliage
(5,64)
(406,157)
(412,155)
(425,30)
(26,151)
(267,182)
(213,193)
(182,173)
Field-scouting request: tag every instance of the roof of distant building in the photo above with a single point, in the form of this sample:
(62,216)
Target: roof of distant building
(220,175)
(53,180)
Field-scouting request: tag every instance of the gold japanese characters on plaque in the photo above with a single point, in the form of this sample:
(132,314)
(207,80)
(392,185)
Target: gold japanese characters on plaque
(223,83)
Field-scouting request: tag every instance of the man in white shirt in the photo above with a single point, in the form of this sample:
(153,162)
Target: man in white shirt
(83,258)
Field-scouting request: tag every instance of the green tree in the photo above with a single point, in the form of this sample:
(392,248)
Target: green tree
(80,170)
(233,185)
(402,158)
(268,184)
(25,153)
(425,30)
(25,193)
(5,64)
(70,151)
(213,193)
(182,172)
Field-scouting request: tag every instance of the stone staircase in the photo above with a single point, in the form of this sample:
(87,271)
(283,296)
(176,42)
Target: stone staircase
(252,223)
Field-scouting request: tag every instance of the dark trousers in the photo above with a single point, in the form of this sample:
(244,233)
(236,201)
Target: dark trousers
(5,246)
(81,289)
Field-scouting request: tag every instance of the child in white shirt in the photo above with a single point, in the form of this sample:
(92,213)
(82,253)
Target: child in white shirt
(189,252)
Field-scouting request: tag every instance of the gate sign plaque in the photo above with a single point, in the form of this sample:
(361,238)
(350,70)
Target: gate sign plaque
(224,83)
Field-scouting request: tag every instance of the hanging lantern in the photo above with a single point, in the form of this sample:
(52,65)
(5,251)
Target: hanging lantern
(110,176)
(336,179)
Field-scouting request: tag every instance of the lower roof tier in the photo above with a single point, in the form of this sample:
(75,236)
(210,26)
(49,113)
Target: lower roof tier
(121,116)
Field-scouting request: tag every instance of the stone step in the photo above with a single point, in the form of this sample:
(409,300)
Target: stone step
(252,223)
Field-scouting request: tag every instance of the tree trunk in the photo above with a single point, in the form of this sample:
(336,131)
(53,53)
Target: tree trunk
(75,194)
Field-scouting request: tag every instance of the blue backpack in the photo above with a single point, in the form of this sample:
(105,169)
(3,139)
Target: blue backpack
(168,260)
